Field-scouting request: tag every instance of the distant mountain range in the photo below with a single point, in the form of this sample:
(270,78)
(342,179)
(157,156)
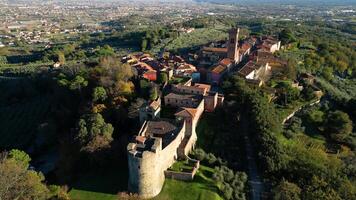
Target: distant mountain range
(295,2)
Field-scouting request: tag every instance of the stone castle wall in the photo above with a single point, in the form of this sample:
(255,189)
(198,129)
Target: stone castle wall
(146,174)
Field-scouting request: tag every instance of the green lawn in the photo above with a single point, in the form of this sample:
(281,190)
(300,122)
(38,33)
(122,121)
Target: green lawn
(104,184)
(182,166)
(201,188)
(87,195)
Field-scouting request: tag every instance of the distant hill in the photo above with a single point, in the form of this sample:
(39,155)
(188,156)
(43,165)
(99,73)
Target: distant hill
(296,2)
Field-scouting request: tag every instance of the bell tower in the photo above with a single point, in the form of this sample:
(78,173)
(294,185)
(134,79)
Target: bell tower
(233,45)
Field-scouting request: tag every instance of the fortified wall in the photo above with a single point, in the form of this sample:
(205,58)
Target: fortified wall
(161,142)
(149,159)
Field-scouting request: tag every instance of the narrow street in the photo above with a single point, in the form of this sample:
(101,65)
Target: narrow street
(255,179)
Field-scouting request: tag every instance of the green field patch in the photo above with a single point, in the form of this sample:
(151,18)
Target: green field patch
(201,188)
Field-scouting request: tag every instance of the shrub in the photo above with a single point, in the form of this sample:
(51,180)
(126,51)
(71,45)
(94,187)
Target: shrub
(199,154)
(210,158)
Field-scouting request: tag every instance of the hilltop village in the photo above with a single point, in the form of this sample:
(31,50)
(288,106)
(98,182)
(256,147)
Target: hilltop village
(162,141)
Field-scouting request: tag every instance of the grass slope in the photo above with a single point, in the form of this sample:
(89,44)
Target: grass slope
(201,188)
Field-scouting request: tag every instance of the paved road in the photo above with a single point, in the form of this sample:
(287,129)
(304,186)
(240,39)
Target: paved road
(254,176)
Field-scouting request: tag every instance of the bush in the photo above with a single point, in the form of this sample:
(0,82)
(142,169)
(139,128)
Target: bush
(227,191)
(199,154)
(211,158)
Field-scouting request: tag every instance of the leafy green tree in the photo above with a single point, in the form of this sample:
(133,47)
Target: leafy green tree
(341,66)
(291,69)
(227,191)
(84,39)
(318,188)
(61,57)
(153,93)
(106,50)
(308,93)
(101,36)
(211,158)
(144,44)
(327,73)
(338,126)
(199,154)
(287,93)
(20,157)
(316,117)
(99,94)
(286,191)
(78,83)
(17,182)
(347,190)
(286,36)
(3,60)
(93,132)
(162,78)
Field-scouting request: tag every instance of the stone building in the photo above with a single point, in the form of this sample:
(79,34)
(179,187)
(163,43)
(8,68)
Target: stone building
(152,152)
(233,45)
(150,110)
(189,95)
(160,142)
(256,70)
(157,147)
(182,100)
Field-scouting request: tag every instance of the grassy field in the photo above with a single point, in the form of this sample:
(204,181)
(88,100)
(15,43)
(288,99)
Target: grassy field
(188,40)
(87,195)
(105,184)
(201,188)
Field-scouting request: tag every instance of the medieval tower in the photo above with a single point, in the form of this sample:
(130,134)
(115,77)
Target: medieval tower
(233,45)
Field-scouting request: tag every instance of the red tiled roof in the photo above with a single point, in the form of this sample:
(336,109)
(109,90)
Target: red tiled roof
(226,62)
(204,86)
(140,139)
(248,68)
(187,111)
(218,69)
(245,46)
(214,49)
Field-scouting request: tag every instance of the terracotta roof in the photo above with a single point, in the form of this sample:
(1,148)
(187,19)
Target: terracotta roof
(225,62)
(143,65)
(245,46)
(248,68)
(183,96)
(140,139)
(187,111)
(218,69)
(204,86)
(150,72)
(214,49)
(155,105)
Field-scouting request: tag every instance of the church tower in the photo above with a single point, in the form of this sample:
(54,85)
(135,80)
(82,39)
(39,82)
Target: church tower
(233,45)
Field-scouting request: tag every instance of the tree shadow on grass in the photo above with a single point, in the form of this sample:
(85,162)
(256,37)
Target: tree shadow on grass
(110,180)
